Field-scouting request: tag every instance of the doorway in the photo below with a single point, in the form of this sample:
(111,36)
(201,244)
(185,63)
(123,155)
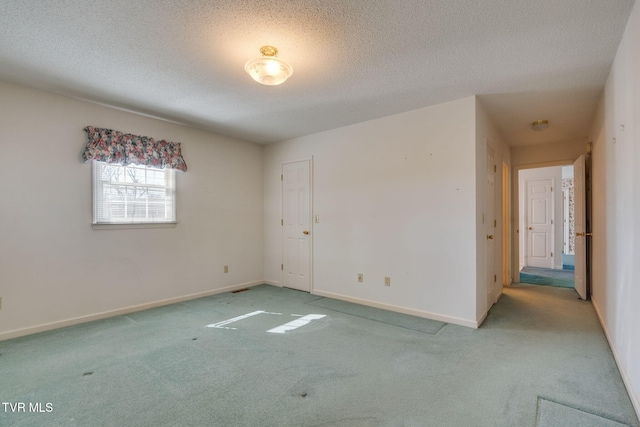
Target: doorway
(545,226)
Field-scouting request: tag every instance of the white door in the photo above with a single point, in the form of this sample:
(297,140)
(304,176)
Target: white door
(580,248)
(539,223)
(296,225)
(490,226)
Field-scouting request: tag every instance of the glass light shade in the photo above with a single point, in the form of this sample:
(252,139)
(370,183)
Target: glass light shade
(268,70)
(540,125)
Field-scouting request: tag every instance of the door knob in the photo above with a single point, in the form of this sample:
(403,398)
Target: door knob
(490,237)
(305,232)
(530,228)
(583,234)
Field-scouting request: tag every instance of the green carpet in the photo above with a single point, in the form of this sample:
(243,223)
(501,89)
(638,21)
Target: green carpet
(206,362)
(547,277)
(552,414)
(414,323)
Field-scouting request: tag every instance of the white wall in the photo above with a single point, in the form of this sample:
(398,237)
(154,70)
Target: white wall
(558,153)
(396,197)
(54,267)
(555,173)
(616,208)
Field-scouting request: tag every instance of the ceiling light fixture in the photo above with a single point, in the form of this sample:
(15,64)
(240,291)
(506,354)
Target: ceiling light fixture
(540,125)
(268,69)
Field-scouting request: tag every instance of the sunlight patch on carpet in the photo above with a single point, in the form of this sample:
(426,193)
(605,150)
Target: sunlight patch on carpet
(299,322)
(295,324)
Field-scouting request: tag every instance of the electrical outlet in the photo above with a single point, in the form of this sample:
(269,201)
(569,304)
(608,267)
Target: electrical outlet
(387,281)
(226,268)
(360,278)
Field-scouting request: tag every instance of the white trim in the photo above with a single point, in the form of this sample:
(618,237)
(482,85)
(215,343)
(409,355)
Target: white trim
(635,399)
(484,315)
(118,312)
(129,226)
(419,313)
(482,318)
(272,283)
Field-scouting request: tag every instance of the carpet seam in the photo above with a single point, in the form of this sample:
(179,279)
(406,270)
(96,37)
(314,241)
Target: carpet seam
(583,409)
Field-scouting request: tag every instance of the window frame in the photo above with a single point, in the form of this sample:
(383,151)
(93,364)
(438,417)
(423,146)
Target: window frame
(98,184)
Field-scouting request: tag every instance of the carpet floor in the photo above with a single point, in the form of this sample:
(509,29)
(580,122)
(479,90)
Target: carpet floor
(547,277)
(278,357)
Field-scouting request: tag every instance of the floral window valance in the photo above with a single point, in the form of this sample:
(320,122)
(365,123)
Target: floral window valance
(112,146)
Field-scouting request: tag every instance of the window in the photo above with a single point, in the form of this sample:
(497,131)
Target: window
(133,194)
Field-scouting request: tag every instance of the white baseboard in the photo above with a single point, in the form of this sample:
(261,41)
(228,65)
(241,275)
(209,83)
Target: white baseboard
(484,315)
(398,309)
(482,318)
(111,313)
(269,282)
(635,401)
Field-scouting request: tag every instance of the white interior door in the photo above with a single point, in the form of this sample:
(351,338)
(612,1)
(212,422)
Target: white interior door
(539,222)
(580,248)
(490,226)
(296,225)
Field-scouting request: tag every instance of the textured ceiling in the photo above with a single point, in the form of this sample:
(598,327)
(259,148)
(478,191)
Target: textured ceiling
(353,61)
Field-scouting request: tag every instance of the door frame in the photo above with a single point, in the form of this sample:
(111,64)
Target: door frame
(311,216)
(588,213)
(515,206)
(506,225)
(491,228)
(580,248)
